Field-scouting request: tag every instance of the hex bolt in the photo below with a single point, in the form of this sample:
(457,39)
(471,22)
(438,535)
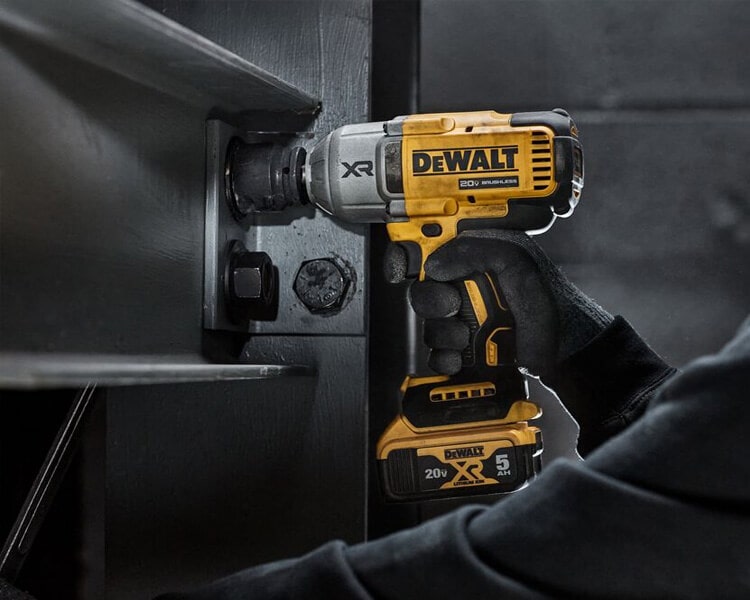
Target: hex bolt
(321,285)
(249,283)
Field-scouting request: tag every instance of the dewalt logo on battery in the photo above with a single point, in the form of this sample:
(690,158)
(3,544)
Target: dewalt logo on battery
(445,161)
(454,453)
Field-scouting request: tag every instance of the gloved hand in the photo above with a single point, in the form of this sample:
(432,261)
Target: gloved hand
(553,318)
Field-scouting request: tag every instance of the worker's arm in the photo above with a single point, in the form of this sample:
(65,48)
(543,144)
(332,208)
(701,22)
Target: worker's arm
(659,511)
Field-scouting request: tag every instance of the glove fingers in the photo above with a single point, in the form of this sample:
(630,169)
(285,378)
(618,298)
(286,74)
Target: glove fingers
(445,362)
(523,273)
(478,251)
(434,300)
(394,263)
(446,334)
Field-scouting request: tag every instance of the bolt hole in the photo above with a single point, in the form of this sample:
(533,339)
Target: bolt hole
(469,129)
(285,170)
(471,199)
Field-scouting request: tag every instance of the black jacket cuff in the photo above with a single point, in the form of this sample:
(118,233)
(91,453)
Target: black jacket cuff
(607,384)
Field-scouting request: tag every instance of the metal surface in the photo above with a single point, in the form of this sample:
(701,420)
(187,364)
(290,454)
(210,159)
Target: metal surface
(125,37)
(44,488)
(206,479)
(101,200)
(33,371)
(321,46)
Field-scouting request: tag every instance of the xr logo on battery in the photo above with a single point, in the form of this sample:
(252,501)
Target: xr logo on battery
(469,472)
(357,168)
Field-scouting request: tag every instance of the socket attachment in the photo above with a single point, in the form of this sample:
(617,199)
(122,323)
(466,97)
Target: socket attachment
(263,177)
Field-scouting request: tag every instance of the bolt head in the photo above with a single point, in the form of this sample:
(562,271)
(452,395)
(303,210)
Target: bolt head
(249,280)
(247,283)
(321,285)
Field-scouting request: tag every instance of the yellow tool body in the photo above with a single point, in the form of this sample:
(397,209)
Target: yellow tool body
(428,178)
(461,171)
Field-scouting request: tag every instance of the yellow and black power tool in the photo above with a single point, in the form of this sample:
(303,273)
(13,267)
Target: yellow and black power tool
(429,177)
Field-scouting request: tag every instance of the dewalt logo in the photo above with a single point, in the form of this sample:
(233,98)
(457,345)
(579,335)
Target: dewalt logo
(442,161)
(454,453)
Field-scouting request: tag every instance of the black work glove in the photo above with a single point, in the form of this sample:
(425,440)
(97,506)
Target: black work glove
(605,383)
(554,319)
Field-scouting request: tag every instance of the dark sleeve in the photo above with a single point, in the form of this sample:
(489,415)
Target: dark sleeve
(323,574)
(607,384)
(662,510)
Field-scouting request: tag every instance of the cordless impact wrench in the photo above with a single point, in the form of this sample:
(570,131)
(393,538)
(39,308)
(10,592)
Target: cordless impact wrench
(429,177)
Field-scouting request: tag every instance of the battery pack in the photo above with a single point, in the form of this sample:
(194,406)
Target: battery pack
(416,465)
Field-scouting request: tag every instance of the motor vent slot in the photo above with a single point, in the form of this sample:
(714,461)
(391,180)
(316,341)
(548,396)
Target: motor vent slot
(541,160)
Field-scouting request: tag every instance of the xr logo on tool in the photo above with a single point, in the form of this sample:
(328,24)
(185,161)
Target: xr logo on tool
(357,168)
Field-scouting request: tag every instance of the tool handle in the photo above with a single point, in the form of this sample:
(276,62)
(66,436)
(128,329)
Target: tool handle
(492,340)
(467,433)
(489,381)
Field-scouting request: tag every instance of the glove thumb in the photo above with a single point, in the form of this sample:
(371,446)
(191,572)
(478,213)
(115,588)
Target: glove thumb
(394,263)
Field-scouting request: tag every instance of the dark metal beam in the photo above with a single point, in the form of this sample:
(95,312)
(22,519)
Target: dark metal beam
(128,38)
(27,370)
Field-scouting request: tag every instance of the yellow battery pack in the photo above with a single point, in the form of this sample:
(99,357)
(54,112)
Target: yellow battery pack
(457,461)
